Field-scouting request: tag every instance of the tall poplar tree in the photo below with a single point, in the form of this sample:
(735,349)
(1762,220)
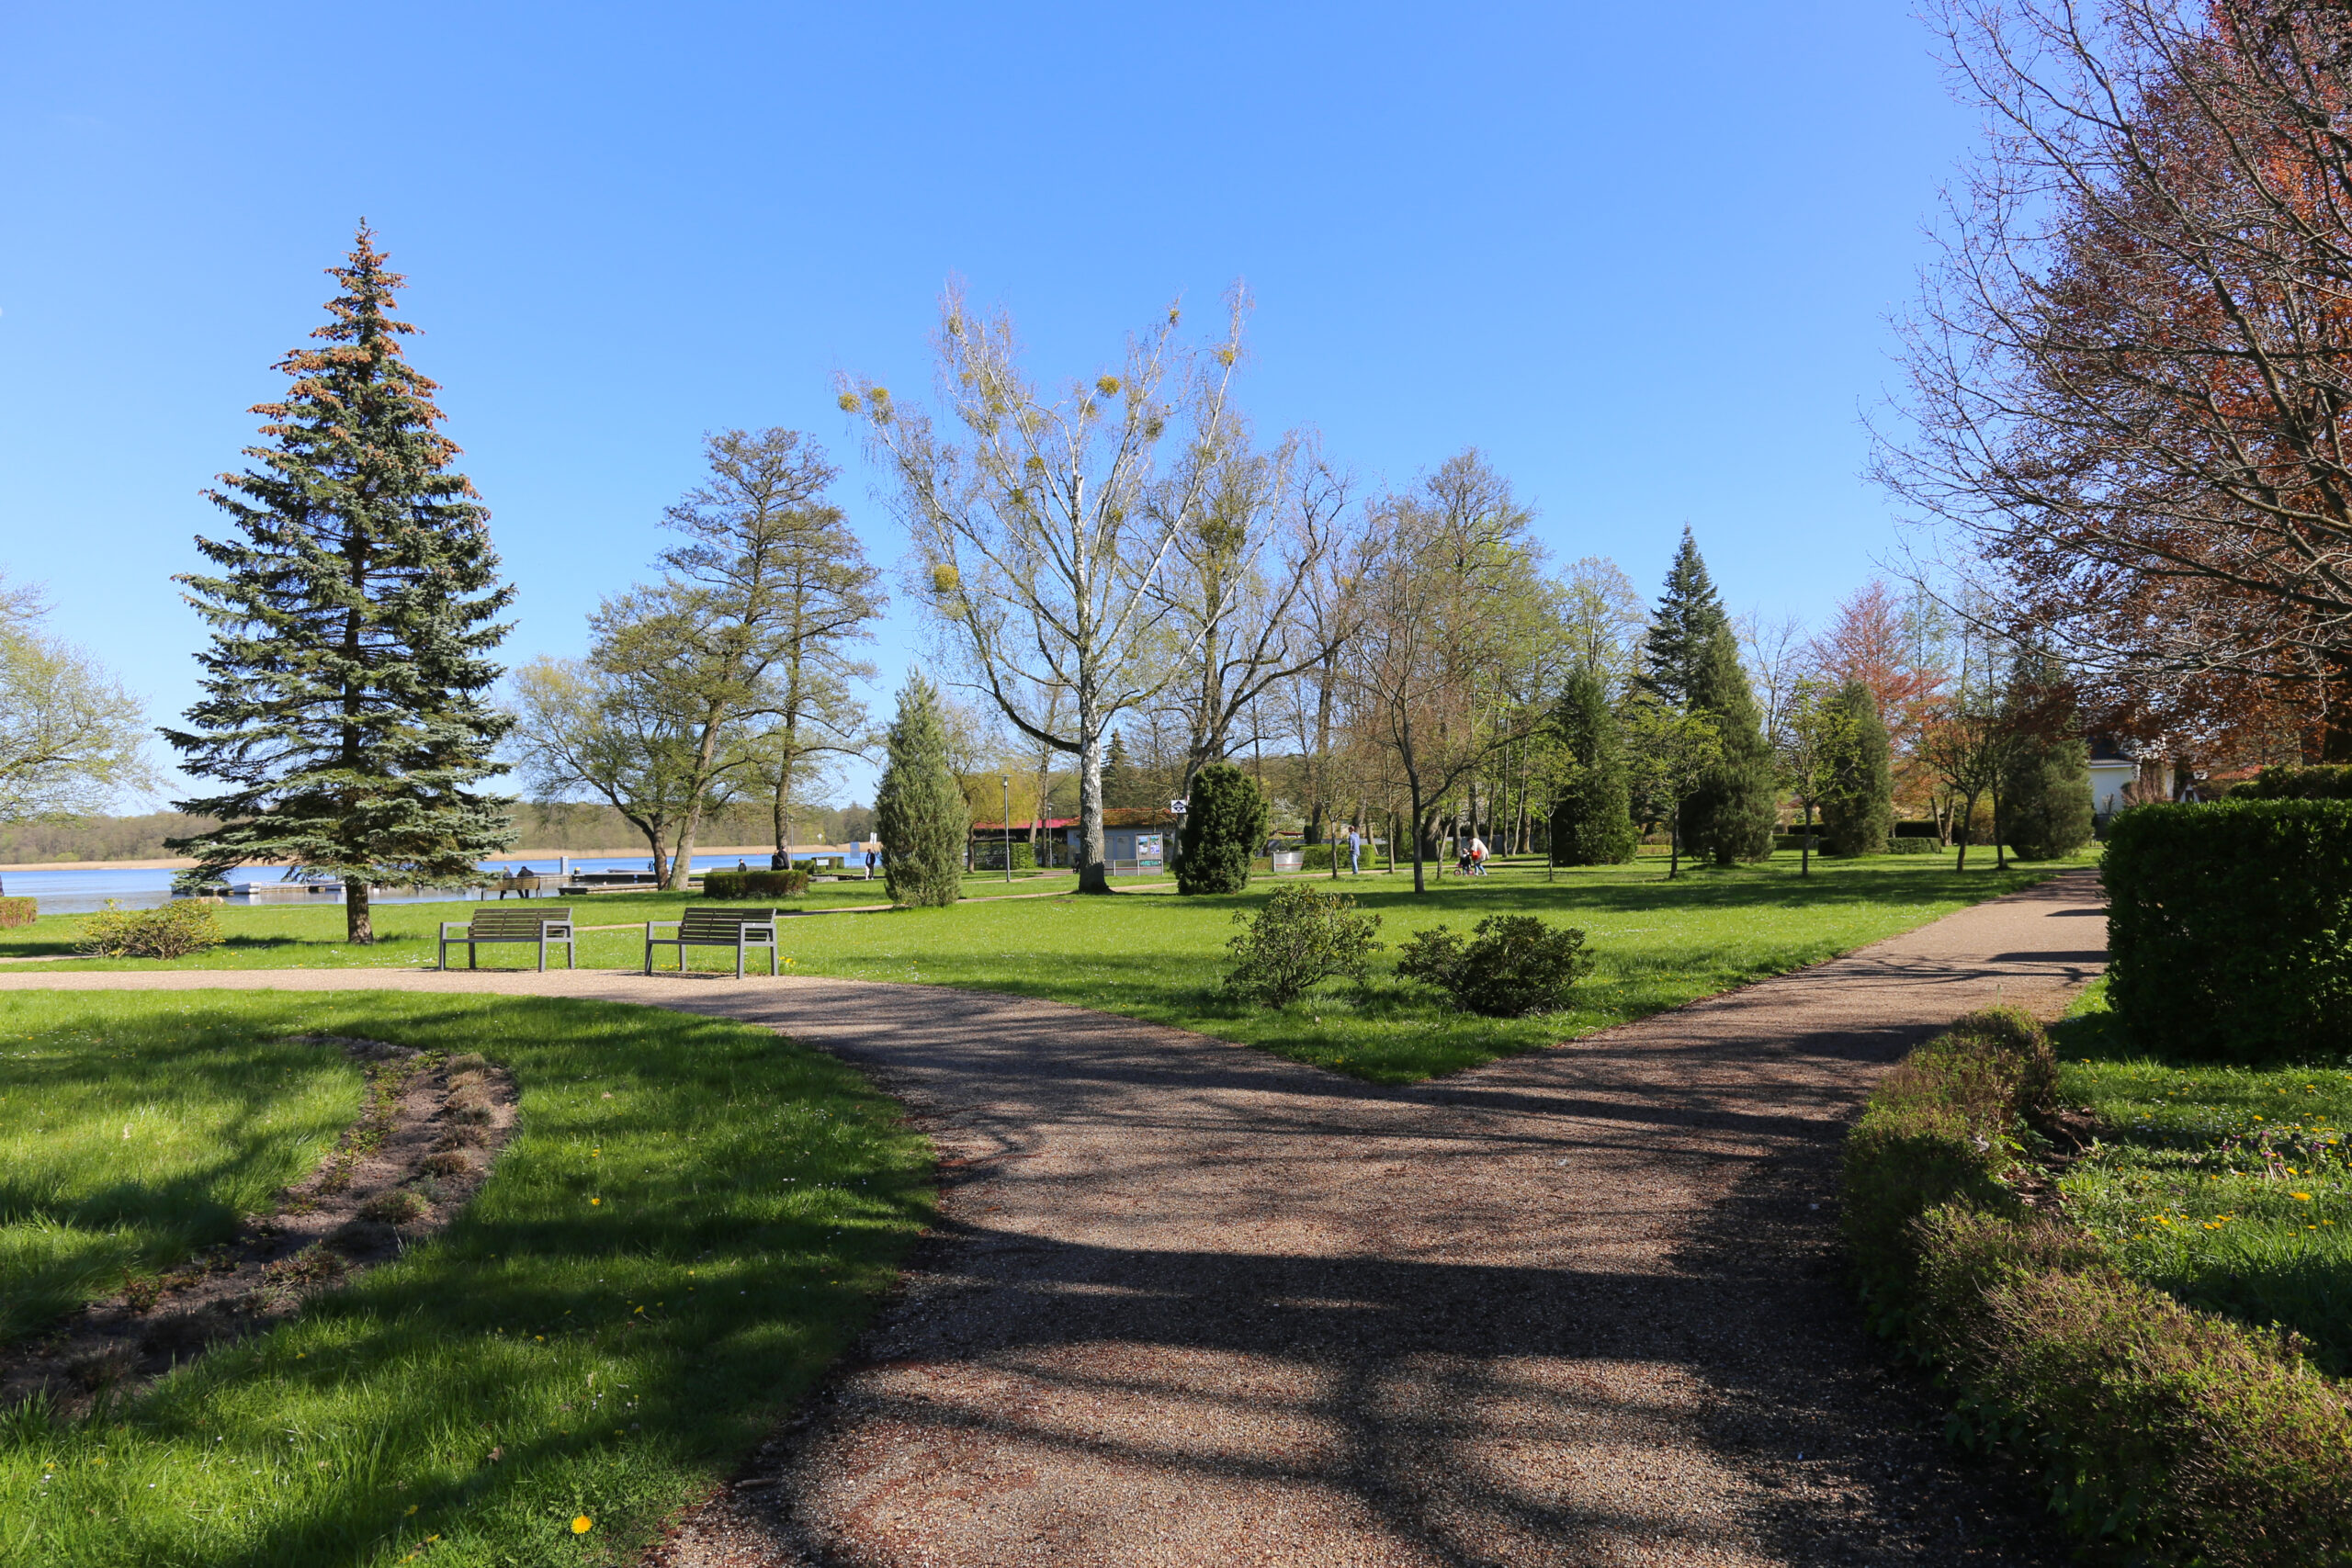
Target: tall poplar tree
(919,809)
(353,617)
(1592,819)
(1691,664)
(1857,808)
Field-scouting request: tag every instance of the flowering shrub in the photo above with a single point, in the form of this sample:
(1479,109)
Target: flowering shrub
(1512,964)
(1302,935)
(178,929)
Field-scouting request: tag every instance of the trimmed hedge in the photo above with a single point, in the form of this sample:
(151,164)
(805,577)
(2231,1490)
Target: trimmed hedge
(17,912)
(1901,845)
(750,884)
(2325,781)
(2230,925)
(2181,1435)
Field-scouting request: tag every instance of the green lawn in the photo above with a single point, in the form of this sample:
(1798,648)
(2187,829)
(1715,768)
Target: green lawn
(691,1221)
(2227,1187)
(134,1132)
(1157,957)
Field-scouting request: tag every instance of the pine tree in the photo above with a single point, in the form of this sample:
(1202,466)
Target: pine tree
(1859,808)
(345,683)
(1118,776)
(919,809)
(2044,795)
(1691,664)
(1224,825)
(1592,820)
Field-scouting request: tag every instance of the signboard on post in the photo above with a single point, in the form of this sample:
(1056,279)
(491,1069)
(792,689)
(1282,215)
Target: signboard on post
(1148,855)
(1176,808)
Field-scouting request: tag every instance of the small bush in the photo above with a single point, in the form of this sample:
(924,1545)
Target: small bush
(2226,924)
(175,931)
(750,884)
(449,1162)
(17,912)
(1303,935)
(1902,846)
(1512,964)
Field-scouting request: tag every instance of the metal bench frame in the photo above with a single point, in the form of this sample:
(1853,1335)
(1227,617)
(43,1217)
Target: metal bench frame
(543,927)
(716,925)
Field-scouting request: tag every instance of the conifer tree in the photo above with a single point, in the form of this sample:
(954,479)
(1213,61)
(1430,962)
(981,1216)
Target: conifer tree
(1224,825)
(1859,808)
(346,685)
(1691,664)
(2044,793)
(919,810)
(1592,819)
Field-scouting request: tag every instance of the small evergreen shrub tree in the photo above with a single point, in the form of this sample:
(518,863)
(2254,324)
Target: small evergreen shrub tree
(919,810)
(175,931)
(2226,925)
(1303,935)
(1858,809)
(1224,825)
(2046,798)
(1512,964)
(18,911)
(1592,819)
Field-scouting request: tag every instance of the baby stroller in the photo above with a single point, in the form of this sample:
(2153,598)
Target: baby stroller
(1470,864)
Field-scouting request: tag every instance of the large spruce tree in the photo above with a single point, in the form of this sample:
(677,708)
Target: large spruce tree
(352,622)
(1690,663)
(1857,808)
(1592,819)
(919,810)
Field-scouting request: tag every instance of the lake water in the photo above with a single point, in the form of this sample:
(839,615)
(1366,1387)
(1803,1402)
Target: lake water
(83,890)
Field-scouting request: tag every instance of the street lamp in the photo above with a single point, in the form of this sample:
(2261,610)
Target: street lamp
(1008,826)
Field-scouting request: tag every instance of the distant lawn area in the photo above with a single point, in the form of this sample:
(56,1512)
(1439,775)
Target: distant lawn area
(1158,956)
(2230,1187)
(691,1223)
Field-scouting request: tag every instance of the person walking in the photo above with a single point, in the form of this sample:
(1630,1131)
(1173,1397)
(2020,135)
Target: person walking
(1355,852)
(1478,855)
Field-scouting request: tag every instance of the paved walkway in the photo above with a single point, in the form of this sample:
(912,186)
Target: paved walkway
(1193,1304)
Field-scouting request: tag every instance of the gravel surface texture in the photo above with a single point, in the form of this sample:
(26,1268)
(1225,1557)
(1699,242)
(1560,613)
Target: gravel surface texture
(1190,1303)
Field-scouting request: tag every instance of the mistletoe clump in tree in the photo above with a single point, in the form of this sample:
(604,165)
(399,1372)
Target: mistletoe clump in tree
(919,809)
(353,617)
(1224,821)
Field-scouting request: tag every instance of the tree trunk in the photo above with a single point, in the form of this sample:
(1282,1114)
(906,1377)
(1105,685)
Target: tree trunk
(1961,821)
(1804,845)
(1092,875)
(1674,843)
(682,859)
(1413,787)
(358,920)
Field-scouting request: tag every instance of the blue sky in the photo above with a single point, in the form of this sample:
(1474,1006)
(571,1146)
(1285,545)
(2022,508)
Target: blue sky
(1642,257)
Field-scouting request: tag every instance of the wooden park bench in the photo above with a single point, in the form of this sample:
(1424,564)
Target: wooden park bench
(544,926)
(713,925)
(522,884)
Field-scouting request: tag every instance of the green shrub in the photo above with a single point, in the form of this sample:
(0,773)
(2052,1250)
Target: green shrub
(754,883)
(17,912)
(1907,846)
(988,853)
(1303,935)
(2327,782)
(2227,927)
(2175,1433)
(1224,828)
(175,931)
(1512,966)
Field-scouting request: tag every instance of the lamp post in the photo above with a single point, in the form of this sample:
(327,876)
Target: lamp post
(1006,825)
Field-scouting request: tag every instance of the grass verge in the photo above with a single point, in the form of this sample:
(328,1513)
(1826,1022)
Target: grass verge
(1158,956)
(693,1220)
(2164,1433)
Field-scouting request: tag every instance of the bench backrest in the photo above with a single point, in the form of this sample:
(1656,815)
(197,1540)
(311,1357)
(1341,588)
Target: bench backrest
(719,922)
(518,923)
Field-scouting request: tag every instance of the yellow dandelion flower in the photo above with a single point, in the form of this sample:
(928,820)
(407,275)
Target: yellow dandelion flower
(582,1524)
(2300,1196)
(594,1202)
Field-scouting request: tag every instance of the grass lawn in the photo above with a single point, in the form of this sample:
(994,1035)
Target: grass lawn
(2228,1187)
(690,1222)
(1158,956)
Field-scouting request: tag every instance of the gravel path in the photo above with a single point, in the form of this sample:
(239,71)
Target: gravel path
(1190,1303)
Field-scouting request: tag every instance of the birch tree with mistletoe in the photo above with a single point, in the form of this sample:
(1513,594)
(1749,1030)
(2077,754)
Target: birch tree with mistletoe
(1042,532)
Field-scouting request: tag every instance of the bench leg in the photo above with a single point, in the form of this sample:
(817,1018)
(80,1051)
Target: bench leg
(739,961)
(472,953)
(771,970)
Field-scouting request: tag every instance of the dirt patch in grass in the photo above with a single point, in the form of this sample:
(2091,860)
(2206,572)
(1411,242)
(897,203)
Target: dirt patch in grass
(428,1130)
